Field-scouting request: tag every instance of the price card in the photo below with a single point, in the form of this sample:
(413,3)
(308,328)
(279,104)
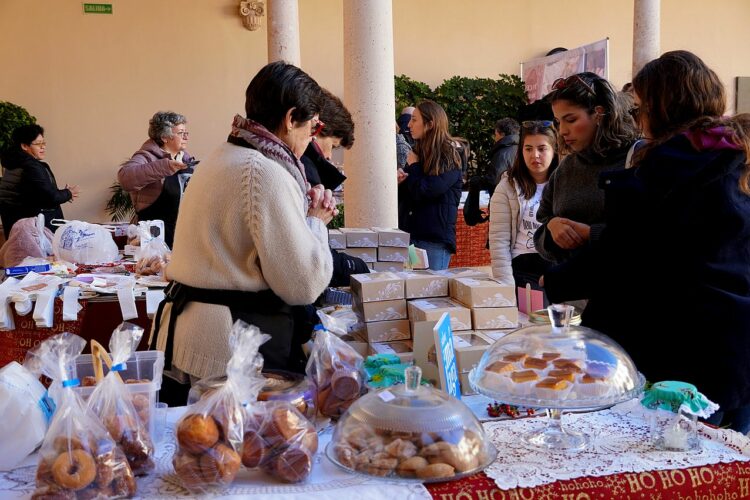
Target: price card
(446,356)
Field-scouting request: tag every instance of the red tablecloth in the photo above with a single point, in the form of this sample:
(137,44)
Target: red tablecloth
(96,320)
(709,482)
(471,244)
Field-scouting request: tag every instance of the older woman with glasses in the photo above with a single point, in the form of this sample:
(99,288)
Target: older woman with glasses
(597,133)
(158,173)
(28,187)
(251,240)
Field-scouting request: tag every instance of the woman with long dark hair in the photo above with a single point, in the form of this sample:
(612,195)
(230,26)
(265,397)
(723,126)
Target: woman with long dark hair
(670,280)
(514,206)
(431,184)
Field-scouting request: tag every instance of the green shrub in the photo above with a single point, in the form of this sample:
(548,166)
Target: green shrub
(409,92)
(119,206)
(11,117)
(473,106)
(337,221)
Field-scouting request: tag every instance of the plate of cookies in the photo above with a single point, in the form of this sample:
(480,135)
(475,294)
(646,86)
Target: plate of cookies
(410,432)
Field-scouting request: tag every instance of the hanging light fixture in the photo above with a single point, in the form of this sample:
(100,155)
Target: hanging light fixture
(252,13)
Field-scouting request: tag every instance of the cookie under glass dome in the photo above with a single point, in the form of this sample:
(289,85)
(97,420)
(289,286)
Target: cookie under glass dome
(558,367)
(410,432)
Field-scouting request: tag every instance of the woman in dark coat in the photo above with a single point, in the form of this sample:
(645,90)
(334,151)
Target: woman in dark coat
(28,187)
(670,279)
(430,185)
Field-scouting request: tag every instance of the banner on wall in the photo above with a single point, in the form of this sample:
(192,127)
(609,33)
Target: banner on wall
(539,74)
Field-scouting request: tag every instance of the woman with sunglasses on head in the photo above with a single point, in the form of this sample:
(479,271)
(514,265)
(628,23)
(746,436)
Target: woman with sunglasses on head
(251,240)
(158,173)
(676,246)
(28,187)
(597,133)
(514,206)
(430,184)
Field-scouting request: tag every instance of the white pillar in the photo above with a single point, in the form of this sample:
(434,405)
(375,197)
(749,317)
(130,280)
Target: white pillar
(646,32)
(283,31)
(370,192)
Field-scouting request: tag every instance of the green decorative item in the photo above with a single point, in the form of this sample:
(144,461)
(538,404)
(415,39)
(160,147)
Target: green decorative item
(337,221)
(473,106)
(678,396)
(12,116)
(119,206)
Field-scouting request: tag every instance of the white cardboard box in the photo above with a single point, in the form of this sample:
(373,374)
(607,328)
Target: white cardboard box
(477,292)
(375,287)
(432,308)
(424,284)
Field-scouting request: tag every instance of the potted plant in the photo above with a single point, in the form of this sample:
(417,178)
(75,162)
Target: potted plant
(12,116)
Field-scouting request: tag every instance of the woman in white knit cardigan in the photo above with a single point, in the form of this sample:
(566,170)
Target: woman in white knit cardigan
(514,204)
(251,240)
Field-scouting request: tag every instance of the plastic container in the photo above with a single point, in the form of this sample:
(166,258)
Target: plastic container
(559,367)
(410,432)
(144,365)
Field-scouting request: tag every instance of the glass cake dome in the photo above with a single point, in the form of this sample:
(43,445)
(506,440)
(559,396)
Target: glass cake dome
(558,367)
(410,432)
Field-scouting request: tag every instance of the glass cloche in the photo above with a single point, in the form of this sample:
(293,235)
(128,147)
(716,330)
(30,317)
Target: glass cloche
(410,432)
(559,367)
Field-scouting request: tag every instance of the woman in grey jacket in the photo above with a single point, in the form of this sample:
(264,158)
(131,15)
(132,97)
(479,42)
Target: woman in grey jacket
(514,206)
(596,129)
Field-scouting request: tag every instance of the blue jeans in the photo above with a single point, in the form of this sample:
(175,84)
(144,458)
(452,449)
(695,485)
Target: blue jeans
(737,419)
(437,253)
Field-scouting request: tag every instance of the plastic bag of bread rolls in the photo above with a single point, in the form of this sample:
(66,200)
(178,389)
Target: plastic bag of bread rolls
(279,440)
(78,458)
(113,404)
(210,434)
(153,258)
(337,371)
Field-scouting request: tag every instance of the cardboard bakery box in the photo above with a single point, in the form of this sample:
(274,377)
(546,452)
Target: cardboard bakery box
(462,272)
(361,346)
(394,267)
(368,255)
(393,254)
(375,287)
(469,347)
(483,292)
(387,331)
(421,261)
(388,237)
(432,308)
(336,239)
(381,311)
(493,318)
(424,284)
(496,335)
(404,349)
(360,237)
(425,353)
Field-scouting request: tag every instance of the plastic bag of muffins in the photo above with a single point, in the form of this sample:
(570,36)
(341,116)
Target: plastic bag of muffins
(153,257)
(113,404)
(279,440)
(337,371)
(210,434)
(78,458)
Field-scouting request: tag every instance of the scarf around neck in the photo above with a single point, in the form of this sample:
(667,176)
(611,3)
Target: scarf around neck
(270,146)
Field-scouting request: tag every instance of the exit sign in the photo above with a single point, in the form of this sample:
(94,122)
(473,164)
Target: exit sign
(97,8)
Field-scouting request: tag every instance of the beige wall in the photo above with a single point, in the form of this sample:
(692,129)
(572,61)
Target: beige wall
(94,80)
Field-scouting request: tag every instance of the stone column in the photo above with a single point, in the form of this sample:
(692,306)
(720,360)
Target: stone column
(283,31)
(370,192)
(646,32)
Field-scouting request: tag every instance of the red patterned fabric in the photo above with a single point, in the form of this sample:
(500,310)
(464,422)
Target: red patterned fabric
(96,320)
(714,482)
(471,244)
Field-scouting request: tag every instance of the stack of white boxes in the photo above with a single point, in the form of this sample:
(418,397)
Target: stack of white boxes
(383,249)
(378,299)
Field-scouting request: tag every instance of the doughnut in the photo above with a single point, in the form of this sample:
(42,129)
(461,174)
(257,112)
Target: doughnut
(74,470)
(197,433)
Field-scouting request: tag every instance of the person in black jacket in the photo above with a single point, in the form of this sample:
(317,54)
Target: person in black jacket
(669,279)
(337,131)
(431,184)
(502,156)
(28,187)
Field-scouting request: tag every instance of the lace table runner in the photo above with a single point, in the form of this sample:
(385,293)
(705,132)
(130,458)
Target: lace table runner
(619,443)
